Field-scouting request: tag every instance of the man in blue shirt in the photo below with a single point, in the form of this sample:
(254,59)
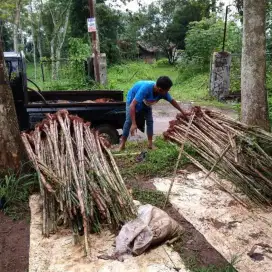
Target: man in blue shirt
(141,97)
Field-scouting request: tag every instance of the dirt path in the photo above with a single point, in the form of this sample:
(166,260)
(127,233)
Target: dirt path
(165,112)
(14,244)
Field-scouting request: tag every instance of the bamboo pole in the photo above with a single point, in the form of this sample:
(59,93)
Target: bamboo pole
(178,160)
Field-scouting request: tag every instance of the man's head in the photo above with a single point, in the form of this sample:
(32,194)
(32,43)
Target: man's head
(163,85)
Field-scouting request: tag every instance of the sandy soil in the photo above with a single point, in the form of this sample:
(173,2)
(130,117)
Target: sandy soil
(235,231)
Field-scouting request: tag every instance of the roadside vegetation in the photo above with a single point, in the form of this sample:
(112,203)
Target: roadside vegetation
(15,189)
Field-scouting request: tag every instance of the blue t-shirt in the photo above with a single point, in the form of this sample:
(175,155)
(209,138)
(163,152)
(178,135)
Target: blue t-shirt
(142,91)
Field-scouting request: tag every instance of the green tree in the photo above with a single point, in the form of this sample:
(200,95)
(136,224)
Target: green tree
(165,23)
(6,35)
(183,15)
(56,15)
(108,21)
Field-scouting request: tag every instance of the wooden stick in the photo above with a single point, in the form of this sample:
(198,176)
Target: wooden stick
(218,160)
(178,160)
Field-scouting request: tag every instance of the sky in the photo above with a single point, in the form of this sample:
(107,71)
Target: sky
(133,5)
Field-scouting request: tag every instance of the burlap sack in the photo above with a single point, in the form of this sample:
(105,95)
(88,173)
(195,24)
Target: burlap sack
(153,226)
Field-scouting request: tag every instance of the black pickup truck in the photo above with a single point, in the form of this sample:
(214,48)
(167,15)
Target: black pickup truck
(31,105)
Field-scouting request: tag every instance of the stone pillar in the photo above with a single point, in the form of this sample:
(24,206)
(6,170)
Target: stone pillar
(103,68)
(220,75)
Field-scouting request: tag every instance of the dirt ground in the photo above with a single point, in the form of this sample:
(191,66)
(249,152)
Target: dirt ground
(14,244)
(193,246)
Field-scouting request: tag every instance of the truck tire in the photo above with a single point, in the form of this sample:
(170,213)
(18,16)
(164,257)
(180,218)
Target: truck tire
(109,132)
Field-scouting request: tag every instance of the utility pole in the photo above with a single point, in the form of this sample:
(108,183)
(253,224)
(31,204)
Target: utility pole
(95,43)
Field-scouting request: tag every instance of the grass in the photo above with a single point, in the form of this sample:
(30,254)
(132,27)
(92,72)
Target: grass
(153,197)
(122,77)
(193,89)
(157,163)
(15,188)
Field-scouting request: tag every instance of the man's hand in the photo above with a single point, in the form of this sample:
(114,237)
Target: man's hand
(186,113)
(133,129)
(177,106)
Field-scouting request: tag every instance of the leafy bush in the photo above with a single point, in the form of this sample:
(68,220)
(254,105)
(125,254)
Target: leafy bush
(202,39)
(270,109)
(206,36)
(190,67)
(78,49)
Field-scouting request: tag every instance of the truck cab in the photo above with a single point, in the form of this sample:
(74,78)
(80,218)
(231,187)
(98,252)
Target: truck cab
(105,109)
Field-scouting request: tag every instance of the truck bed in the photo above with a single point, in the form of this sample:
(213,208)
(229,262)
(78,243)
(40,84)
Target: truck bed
(76,96)
(103,108)
(85,104)
(81,103)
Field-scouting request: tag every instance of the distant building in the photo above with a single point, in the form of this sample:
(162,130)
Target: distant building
(148,53)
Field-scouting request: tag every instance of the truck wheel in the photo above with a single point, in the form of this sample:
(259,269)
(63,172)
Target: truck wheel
(109,133)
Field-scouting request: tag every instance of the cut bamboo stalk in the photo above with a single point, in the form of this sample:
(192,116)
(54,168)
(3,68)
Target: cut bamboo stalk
(178,161)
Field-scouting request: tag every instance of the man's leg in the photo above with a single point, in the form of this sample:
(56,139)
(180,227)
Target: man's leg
(149,126)
(126,129)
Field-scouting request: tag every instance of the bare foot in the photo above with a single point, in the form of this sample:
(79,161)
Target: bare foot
(152,147)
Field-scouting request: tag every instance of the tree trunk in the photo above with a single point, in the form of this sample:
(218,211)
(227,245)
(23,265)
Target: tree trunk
(254,95)
(53,58)
(33,41)
(58,57)
(12,151)
(58,38)
(39,33)
(16,26)
(39,45)
(61,39)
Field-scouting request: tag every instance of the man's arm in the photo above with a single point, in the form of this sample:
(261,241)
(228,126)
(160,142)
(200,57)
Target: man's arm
(177,106)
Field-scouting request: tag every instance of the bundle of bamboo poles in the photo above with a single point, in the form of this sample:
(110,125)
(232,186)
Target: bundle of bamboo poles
(239,153)
(79,180)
